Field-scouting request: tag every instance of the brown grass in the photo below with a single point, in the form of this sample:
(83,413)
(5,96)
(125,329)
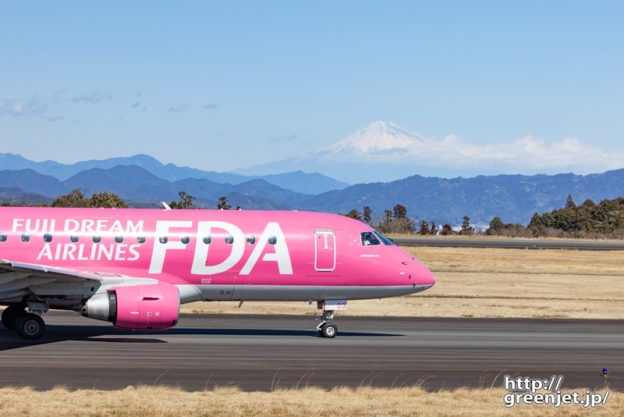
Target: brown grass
(488,283)
(365,401)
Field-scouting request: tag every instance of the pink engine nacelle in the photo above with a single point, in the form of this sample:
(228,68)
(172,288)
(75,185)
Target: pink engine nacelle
(136,307)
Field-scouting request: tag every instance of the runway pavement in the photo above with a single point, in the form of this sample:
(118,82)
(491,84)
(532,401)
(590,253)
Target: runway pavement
(476,242)
(270,352)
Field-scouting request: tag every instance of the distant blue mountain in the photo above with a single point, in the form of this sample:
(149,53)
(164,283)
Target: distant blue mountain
(142,188)
(514,198)
(298,181)
(17,196)
(33,182)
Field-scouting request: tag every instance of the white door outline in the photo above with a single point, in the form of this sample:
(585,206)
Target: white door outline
(327,234)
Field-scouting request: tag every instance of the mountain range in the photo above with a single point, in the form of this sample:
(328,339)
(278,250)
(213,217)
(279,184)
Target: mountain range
(142,188)
(379,151)
(297,180)
(514,198)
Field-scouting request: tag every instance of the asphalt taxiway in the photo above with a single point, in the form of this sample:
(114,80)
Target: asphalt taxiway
(271,352)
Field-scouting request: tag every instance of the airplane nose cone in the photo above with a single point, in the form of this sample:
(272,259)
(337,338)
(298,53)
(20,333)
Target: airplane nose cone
(421,275)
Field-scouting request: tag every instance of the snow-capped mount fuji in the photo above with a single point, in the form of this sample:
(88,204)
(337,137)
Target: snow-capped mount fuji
(377,137)
(380,151)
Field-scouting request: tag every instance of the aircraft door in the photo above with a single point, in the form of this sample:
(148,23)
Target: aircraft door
(325,250)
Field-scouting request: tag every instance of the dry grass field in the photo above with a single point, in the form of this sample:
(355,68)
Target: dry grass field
(365,401)
(488,283)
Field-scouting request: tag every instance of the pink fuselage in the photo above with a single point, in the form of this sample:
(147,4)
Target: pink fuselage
(216,255)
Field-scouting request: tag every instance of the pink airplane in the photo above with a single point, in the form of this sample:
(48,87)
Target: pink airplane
(135,267)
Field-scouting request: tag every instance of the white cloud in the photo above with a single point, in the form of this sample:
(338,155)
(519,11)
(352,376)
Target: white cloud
(527,153)
(24,108)
(382,142)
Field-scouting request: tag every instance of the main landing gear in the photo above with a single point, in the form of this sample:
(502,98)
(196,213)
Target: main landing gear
(28,325)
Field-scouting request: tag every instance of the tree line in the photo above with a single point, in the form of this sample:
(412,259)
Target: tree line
(589,220)
(77,199)
(396,221)
(111,200)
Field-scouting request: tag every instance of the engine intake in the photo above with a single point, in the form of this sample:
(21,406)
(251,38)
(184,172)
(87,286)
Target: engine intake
(136,307)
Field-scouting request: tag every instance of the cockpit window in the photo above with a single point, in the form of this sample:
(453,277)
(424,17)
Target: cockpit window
(369,239)
(384,239)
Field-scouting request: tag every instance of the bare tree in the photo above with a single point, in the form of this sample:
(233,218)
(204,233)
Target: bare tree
(223,203)
(570,202)
(400,212)
(367,214)
(354,214)
(185,202)
(466,229)
(447,230)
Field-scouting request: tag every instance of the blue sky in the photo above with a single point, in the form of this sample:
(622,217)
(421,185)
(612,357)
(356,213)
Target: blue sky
(224,85)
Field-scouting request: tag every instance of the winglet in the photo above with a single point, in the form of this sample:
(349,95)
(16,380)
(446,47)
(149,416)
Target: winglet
(165,205)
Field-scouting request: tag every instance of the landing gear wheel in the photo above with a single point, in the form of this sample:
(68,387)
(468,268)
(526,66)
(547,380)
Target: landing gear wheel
(329,330)
(30,326)
(10,315)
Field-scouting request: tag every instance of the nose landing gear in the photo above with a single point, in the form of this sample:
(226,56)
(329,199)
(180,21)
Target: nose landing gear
(326,327)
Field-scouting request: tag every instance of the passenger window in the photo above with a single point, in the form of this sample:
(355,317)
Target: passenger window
(141,239)
(73,238)
(207,240)
(47,238)
(25,237)
(3,237)
(97,239)
(229,240)
(119,239)
(369,239)
(251,239)
(272,240)
(163,239)
(185,240)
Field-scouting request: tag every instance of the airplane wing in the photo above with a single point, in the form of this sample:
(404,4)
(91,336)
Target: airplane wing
(44,272)
(66,286)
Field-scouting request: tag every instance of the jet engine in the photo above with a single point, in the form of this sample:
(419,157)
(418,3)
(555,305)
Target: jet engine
(154,306)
